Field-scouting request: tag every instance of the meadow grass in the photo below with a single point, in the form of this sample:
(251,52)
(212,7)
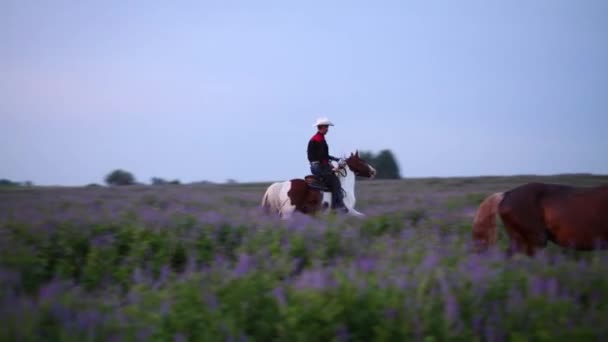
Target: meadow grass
(201,263)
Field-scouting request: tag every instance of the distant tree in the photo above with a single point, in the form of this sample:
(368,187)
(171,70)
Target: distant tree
(120,177)
(386,165)
(367,156)
(6,182)
(384,162)
(158,181)
(161,181)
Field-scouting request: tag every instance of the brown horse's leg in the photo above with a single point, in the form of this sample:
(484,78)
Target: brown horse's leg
(526,238)
(516,241)
(524,220)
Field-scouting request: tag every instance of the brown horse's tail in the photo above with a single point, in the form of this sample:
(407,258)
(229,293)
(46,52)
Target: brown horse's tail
(485,232)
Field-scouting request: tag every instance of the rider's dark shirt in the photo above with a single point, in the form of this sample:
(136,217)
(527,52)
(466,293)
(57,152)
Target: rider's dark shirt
(318,149)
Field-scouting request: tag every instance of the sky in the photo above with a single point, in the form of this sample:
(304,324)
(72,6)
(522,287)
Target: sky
(217,90)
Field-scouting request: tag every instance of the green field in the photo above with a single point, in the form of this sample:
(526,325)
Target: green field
(202,263)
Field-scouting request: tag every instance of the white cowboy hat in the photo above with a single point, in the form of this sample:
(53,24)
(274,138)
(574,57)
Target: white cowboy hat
(323,122)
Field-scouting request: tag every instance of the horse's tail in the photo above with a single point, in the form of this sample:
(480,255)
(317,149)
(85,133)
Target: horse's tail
(266,203)
(485,232)
(265,206)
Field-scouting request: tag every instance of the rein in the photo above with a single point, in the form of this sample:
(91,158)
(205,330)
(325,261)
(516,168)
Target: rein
(342,171)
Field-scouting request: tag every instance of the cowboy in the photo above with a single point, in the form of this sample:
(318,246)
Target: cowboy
(319,157)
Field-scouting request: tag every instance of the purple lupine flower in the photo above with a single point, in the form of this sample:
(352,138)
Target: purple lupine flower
(407,234)
(535,286)
(390,313)
(244,266)
(50,290)
(138,276)
(165,272)
(366,264)
(144,334)
(515,300)
(9,277)
(430,261)
(133,297)
(451,309)
(102,241)
(121,318)
(179,337)
(552,287)
(279,295)
(211,301)
(477,323)
(312,279)
(342,333)
(61,313)
(165,308)
(88,320)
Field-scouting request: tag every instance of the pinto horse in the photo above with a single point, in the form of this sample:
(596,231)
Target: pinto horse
(536,213)
(309,197)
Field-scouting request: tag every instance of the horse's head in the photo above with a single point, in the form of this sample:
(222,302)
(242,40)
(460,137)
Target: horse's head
(359,166)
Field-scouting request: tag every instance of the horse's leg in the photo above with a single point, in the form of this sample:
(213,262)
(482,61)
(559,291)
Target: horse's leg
(524,239)
(516,241)
(354,212)
(524,221)
(287,211)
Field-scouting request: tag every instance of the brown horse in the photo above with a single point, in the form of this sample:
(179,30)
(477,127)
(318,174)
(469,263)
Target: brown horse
(535,213)
(309,196)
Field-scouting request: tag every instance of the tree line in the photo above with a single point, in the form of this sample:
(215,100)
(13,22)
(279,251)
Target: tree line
(384,162)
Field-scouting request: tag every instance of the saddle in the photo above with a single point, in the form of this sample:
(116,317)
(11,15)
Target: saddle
(316,183)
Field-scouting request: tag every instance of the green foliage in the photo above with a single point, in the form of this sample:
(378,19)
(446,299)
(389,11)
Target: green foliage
(120,177)
(400,275)
(384,162)
(161,181)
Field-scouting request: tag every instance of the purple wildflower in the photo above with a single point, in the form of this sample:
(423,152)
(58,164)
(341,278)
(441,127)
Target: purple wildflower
(552,287)
(535,286)
(144,334)
(451,309)
(165,307)
(88,320)
(390,313)
(313,279)
(138,276)
(244,265)
(366,264)
(50,290)
(342,333)
(211,301)
(430,261)
(514,301)
(279,295)
(62,313)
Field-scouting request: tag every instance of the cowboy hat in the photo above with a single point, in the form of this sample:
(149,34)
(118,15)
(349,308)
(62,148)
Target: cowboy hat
(323,122)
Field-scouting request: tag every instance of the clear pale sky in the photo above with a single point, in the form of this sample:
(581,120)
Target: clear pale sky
(211,90)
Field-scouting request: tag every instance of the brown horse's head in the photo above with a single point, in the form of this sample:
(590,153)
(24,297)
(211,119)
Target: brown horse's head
(359,166)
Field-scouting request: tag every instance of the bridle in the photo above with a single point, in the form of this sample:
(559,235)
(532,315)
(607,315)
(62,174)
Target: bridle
(343,169)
